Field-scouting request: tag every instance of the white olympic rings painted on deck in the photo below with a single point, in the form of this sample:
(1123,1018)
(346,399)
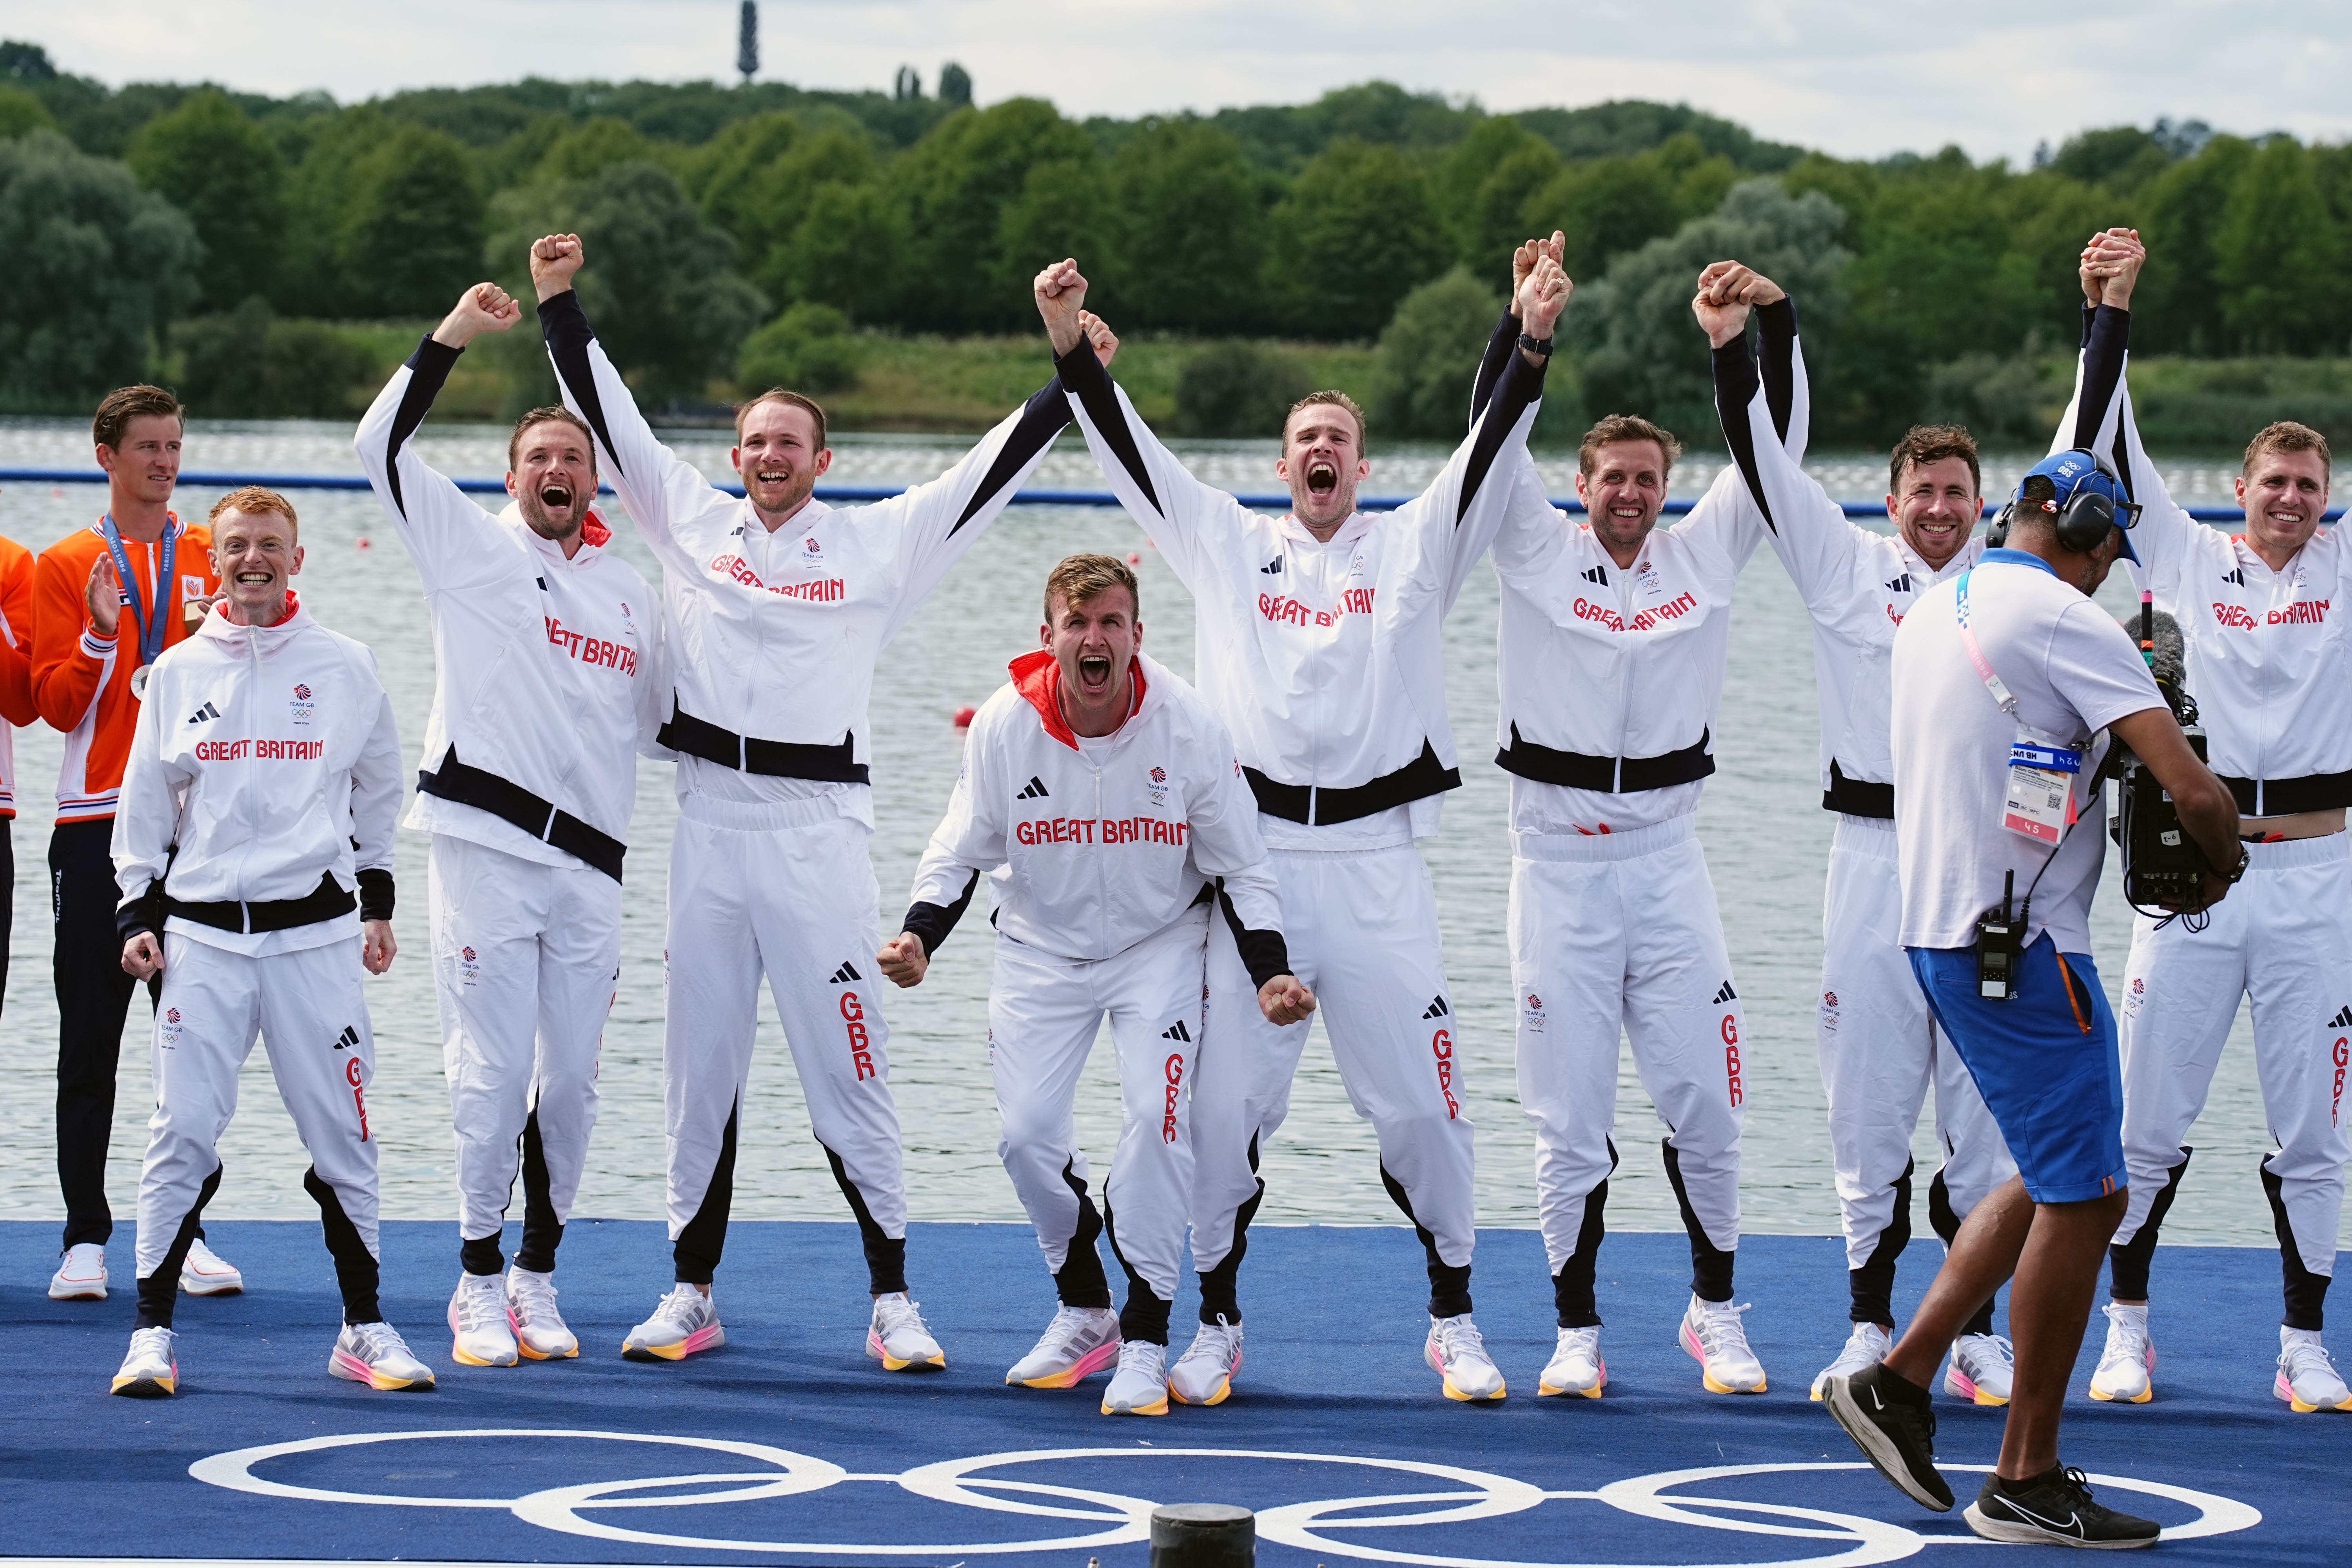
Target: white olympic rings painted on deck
(1110,1518)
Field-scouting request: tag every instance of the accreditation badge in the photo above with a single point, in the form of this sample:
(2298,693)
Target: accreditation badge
(2039,799)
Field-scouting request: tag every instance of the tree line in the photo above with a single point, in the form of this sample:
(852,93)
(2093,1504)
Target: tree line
(759,229)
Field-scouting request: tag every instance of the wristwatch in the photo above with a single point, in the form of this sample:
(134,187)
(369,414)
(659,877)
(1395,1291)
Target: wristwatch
(1539,347)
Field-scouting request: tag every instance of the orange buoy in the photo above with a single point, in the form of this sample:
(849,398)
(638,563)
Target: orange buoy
(363,542)
(964,716)
(1133,559)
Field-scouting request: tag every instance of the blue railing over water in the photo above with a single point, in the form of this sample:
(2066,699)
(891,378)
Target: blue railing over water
(1273,501)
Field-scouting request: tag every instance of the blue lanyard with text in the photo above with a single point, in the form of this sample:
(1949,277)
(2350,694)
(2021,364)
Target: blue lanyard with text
(149,619)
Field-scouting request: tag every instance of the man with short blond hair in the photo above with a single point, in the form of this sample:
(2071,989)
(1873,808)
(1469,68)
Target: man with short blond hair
(107,600)
(1320,643)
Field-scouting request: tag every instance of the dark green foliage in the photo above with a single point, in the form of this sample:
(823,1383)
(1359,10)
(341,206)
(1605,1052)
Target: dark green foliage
(21,111)
(411,226)
(958,183)
(1429,354)
(95,268)
(807,348)
(1191,229)
(660,284)
(244,365)
(955,86)
(1356,231)
(227,174)
(1238,389)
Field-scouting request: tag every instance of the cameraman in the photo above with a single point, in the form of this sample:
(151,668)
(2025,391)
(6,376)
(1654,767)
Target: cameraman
(2003,678)
(2266,658)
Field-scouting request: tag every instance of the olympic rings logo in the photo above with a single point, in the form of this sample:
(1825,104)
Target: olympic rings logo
(1103,1518)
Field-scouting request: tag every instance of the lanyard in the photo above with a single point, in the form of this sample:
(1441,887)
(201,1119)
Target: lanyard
(1976,655)
(149,617)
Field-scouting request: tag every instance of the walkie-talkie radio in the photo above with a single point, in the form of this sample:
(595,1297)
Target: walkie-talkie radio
(2001,941)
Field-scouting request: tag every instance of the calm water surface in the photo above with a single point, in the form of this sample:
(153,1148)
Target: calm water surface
(1767,842)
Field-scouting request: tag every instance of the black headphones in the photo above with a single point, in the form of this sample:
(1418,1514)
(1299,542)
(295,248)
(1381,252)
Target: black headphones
(2082,526)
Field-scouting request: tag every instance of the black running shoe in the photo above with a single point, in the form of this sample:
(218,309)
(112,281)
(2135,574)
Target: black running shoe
(2055,1508)
(1893,1422)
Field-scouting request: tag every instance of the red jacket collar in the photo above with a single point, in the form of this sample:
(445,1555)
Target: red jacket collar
(1039,680)
(593,531)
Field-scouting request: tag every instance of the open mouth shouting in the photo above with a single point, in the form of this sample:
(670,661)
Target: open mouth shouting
(1094,674)
(1322,475)
(555,495)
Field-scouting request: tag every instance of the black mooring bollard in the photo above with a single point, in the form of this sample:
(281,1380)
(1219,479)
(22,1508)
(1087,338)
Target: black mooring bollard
(1203,1535)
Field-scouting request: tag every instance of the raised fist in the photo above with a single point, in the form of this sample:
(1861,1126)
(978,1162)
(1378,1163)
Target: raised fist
(553,261)
(1061,291)
(903,960)
(484,308)
(1542,296)
(1726,291)
(1098,333)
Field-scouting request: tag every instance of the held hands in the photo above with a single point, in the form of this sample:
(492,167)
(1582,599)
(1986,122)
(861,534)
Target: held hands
(377,949)
(553,261)
(1542,296)
(903,960)
(1726,292)
(143,956)
(1098,333)
(1523,259)
(2110,267)
(104,595)
(1061,292)
(1284,1000)
(484,308)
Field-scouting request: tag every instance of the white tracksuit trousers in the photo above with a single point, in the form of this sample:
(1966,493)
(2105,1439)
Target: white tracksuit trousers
(1618,932)
(1362,932)
(2282,938)
(1043,1013)
(1879,1050)
(308,1008)
(798,904)
(525,959)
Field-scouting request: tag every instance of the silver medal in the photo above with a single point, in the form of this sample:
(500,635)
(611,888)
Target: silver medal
(138,682)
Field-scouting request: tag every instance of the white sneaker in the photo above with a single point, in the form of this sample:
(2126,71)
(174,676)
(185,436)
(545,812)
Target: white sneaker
(2129,1358)
(204,1272)
(1982,1367)
(686,1322)
(1456,1352)
(1867,1346)
(1078,1343)
(375,1355)
(151,1369)
(481,1333)
(1139,1387)
(1576,1366)
(1717,1340)
(899,1338)
(1204,1374)
(81,1273)
(539,1331)
(2307,1380)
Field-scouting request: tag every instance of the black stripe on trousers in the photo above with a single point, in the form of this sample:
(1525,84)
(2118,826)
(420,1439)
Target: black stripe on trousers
(1449,1287)
(1221,1286)
(1572,1288)
(1710,1266)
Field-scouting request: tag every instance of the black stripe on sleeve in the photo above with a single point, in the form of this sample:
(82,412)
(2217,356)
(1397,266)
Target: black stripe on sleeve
(1778,322)
(1490,366)
(1045,416)
(2103,368)
(1735,391)
(932,922)
(428,367)
(1518,387)
(1078,370)
(376,893)
(564,325)
(1264,952)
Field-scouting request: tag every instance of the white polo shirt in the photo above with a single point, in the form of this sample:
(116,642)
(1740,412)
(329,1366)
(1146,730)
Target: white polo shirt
(2073,672)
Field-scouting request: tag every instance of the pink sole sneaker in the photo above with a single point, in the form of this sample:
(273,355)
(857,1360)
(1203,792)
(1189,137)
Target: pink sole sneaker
(1093,1361)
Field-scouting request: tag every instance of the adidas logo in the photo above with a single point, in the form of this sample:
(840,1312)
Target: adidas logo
(1726,995)
(845,975)
(2342,1020)
(1271,566)
(1597,575)
(1901,585)
(1036,789)
(2237,576)
(204,714)
(1437,1008)
(349,1038)
(1178,1033)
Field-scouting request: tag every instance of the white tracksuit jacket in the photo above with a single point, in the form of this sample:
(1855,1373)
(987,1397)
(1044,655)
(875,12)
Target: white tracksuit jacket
(1327,661)
(1105,857)
(1877,1044)
(264,768)
(2269,664)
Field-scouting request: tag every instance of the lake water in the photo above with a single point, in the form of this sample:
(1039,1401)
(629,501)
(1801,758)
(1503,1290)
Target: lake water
(1767,841)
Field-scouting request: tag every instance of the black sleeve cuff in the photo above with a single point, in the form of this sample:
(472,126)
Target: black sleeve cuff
(1491,364)
(431,363)
(931,923)
(1733,366)
(375,894)
(1264,952)
(561,319)
(142,914)
(1080,372)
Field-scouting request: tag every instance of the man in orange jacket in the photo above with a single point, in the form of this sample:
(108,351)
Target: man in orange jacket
(107,600)
(16,707)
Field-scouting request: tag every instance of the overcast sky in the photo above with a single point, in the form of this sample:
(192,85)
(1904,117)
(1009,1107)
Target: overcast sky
(1859,78)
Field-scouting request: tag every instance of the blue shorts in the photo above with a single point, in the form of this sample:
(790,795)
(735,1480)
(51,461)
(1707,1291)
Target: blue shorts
(2045,1061)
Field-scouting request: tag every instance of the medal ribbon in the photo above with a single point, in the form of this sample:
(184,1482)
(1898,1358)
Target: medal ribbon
(150,625)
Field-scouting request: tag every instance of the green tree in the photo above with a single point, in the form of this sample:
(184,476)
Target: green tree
(1429,354)
(2177,307)
(1493,220)
(956,182)
(245,364)
(96,268)
(1355,233)
(1604,207)
(1643,351)
(20,112)
(660,283)
(225,173)
(718,175)
(410,235)
(2278,258)
(1192,229)
(1062,210)
(593,148)
(809,348)
(848,252)
(1238,388)
(772,203)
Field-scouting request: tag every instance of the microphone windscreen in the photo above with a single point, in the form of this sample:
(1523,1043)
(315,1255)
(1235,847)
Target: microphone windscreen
(2170,663)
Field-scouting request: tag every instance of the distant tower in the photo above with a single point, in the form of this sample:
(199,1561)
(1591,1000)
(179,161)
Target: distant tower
(747,42)
(908,85)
